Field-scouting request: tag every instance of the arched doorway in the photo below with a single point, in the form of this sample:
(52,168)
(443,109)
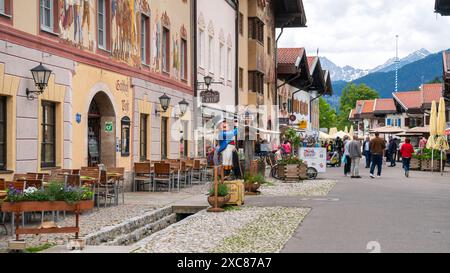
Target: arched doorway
(101,131)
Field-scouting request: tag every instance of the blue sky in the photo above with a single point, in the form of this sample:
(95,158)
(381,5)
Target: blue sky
(361,33)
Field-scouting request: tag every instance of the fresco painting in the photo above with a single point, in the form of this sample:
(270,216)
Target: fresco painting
(75,23)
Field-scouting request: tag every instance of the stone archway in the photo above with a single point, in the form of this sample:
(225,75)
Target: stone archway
(101,131)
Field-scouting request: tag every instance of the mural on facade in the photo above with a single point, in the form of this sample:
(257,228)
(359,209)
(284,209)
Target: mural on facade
(77,27)
(75,22)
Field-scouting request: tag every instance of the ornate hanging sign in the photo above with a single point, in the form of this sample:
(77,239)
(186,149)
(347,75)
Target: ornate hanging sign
(210,96)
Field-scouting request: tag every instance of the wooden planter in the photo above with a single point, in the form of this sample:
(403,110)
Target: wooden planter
(292,172)
(425,165)
(415,164)
(221,200)
(19,207)
(252,187)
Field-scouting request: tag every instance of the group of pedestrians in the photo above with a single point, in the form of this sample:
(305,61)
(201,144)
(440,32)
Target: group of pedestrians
(373,151)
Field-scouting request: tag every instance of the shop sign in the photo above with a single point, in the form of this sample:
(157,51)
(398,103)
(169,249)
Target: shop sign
(78,118)
(122,86)
(210,96)
(284,121)
(108,127)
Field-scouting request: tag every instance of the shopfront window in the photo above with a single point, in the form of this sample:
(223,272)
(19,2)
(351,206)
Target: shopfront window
(164,137)
(143,137)
(125,129)
(3,149)
(48,144)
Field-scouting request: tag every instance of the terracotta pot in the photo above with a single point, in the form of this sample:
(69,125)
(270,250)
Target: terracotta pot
(221,200)
(251,187)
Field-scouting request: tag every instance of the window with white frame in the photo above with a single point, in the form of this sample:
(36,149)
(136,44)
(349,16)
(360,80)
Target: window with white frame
(46,14)
(211,55)
(201,47)
(145,41)
(101,24)
(221,61)
(229,64)
(2,6)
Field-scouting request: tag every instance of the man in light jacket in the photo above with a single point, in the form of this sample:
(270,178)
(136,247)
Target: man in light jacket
(354,149)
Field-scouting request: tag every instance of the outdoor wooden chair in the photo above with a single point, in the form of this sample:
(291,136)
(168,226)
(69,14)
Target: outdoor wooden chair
(36,183)
(162,175)
(72,180)
(142,176)
(106,189)
(120,185)
(197,172)
(21,177)
(185,174)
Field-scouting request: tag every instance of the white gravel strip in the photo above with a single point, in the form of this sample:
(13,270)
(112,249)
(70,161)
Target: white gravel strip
(89,222)
(250,229)
(198,233)
(306,188)
(268,234)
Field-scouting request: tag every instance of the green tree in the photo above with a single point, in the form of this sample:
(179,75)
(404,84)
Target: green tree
(350,95)
(328,116)
(436,80)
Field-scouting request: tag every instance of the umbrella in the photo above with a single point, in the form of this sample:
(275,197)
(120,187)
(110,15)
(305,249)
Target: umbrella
(441,140)
(339,134)
(433,124)
(388,130)
(323,135)
(332,131)
(346,130)
(351,133)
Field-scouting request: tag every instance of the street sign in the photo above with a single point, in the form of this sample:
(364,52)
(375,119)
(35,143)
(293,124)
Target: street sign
(108,127)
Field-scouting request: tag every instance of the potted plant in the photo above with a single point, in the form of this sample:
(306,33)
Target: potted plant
(223,195)
(415,162)
(430,160)
(253,182)
(292,168)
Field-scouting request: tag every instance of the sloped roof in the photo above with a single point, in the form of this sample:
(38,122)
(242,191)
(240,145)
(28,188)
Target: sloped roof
(368,107)
(410,99)
(442,7)
(311,63)
(289,55)
(384,106)
(432,92)
(289,13)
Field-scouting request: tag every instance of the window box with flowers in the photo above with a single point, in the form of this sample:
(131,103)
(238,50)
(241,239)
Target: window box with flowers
(54,197)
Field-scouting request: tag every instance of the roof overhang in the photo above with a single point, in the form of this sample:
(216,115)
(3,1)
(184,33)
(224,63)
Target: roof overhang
(318,77)
(442,7)
(289,13)
(298,77)
(328,83)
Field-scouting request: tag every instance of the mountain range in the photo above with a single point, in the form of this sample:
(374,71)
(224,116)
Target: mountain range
(417,68)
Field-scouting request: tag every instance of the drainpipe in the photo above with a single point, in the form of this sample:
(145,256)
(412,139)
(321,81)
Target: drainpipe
(195,77)
(236,91)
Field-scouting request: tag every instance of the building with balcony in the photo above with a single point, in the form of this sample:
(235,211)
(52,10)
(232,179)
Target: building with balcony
(110,60)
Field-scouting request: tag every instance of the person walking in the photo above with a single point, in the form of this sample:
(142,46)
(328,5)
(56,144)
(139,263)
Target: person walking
(377,147)
(346,154)
(407,150)
(392,150)
(366,151)
(354,149)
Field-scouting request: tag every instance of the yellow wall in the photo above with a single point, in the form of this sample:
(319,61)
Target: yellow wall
(25,15)
(243,53)
(87,81)
(8,87)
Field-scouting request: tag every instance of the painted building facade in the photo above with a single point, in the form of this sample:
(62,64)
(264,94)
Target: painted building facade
(216,57)
(257,82)
(110,61)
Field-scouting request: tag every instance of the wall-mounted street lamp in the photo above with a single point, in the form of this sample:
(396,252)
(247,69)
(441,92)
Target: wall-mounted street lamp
(183,107)
(41,75)
(164,100)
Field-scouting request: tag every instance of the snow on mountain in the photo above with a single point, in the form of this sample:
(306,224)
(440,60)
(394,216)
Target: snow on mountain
(413,57)
(346,73)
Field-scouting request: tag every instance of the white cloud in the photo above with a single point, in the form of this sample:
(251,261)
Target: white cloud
(361,33)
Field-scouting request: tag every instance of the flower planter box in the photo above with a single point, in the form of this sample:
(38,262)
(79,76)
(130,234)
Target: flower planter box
(415,164)
(221,200)
(425,165)
(19,207)
(292,172)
